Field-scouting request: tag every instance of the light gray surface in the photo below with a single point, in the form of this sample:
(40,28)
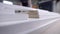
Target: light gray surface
(13,17)
(52,28)
(23,27)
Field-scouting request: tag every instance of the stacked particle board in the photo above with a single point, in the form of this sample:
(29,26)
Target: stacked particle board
(33,14)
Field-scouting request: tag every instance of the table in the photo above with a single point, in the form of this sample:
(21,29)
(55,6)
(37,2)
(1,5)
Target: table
(24,26)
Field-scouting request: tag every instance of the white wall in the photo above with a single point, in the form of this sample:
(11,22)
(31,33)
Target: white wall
(30,3)
(58,7)
(54,6)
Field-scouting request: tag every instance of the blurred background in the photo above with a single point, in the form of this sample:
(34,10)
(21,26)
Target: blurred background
(15,16)
(50,5)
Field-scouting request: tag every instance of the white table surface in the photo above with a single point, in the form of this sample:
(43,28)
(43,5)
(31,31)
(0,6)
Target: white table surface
(9,22)
(43,14)
(9,18)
